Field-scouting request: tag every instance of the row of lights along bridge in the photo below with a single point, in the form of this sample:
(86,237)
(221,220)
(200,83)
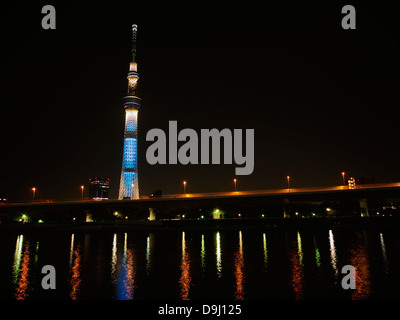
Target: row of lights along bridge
(351,185)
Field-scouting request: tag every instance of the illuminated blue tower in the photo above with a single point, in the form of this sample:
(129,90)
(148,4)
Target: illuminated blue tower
(129,183)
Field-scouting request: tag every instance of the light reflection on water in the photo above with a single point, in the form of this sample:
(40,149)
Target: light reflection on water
(359,260)
(148,256)
(317,255)
(218,253)
(185,278)
(265,251)
(239,270)
(296,262)
(233,262)
(21,268)
(385,261)
(203,254)
(114,259)
(125,278)
(17,257)
(75,269)
(332,249)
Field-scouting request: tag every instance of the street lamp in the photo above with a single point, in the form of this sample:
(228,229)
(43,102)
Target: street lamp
(234,181)
(82,187)
(33,196)
(184,186)
(288,182)
(343,173)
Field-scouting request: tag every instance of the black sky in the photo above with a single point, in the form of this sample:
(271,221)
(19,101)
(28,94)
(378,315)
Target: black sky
(321,99)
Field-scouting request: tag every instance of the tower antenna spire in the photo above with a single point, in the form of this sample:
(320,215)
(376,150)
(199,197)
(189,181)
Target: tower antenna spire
(134,31)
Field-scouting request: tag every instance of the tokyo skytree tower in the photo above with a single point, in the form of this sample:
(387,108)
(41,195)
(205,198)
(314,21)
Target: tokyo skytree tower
(129,183)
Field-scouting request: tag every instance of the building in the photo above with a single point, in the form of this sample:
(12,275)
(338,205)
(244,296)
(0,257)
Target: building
(218,214)
(129,183)
(98,188)
(352,183)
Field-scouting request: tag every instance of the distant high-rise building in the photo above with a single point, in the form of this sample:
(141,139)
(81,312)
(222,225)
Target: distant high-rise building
(98,188)
(352,183)
(129,183)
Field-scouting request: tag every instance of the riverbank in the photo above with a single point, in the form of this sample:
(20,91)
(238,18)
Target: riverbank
(265,223)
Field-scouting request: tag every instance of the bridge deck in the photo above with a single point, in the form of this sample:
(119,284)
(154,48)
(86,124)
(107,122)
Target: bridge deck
(236,194)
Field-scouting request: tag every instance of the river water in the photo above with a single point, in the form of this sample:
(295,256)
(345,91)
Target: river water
(188,265)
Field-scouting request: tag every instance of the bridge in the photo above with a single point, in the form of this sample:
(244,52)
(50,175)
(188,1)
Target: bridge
(289,202)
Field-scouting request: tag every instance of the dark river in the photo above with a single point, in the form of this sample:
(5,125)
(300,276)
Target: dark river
(186,265)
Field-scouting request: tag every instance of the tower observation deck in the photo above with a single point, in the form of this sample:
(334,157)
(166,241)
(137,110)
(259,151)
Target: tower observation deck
(129,183)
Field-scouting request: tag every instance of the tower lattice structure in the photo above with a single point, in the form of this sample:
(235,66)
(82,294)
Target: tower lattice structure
(129,183)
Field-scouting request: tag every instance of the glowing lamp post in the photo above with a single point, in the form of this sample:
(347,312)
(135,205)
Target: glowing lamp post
(184,186)
(82,187)
(234,181)
(33,194)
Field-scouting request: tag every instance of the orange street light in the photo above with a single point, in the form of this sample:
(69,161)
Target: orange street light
(33,196)
(234,181)
(288,182)
(184,186)
(82,187)
(343,173)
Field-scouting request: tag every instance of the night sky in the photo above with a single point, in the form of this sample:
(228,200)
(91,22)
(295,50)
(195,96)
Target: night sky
(321,99)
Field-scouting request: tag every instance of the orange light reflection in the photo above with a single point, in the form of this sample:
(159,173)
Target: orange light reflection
(296,261)
(239,274)
(185,279)
(126,275)
(75,280)
(23,281)
(359,260)
(129,280)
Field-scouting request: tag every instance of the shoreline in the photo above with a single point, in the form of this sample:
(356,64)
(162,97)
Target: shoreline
(222,224)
